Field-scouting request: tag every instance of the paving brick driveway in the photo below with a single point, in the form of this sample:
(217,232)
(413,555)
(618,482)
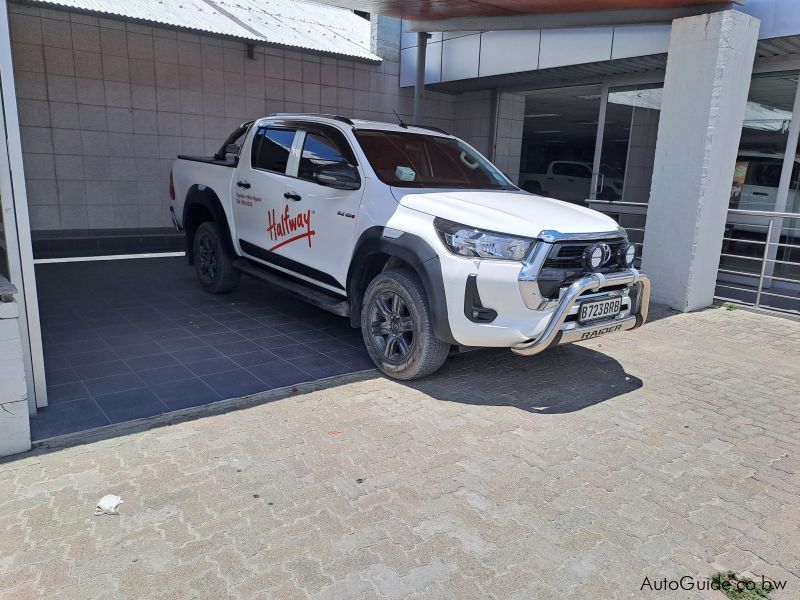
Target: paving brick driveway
(664,452)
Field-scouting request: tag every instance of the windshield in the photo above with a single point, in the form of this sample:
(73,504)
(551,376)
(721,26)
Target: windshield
(413,160)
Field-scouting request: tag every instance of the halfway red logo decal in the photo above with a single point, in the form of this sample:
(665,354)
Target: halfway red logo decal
(297,226)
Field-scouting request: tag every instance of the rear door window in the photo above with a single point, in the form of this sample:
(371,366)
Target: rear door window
(271,149)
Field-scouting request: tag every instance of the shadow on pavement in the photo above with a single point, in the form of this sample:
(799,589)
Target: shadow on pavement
(561,380)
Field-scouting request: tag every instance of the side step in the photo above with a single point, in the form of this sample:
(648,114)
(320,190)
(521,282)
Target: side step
(298,290)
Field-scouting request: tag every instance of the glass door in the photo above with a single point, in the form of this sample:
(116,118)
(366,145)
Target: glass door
(624,167)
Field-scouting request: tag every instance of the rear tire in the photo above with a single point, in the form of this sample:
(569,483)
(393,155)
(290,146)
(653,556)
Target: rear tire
(213,263)
(397,328)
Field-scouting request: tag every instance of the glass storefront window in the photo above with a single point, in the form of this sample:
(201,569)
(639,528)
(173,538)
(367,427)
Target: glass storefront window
(756,187)
(628,154)
(558,142)
(629,142)
(765,132)
(788,252)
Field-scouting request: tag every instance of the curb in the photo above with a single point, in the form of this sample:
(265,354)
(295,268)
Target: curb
(196,412)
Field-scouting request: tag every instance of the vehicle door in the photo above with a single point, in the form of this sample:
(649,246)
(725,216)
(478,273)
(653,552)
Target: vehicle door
(314,229)
(259,185)
(574,181)
(565,183)
(761,183)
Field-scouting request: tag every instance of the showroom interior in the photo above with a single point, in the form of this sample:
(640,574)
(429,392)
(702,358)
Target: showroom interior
(103,100)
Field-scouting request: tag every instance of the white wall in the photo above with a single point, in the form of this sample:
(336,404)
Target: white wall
(472,54)
(778,17)
(466,55)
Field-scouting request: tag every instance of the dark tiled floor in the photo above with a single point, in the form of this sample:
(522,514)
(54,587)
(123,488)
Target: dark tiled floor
(133,338)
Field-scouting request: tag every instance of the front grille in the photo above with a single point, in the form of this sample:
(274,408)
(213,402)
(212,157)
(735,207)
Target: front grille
(564,264)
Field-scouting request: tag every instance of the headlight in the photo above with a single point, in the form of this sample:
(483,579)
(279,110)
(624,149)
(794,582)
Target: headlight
(468,241)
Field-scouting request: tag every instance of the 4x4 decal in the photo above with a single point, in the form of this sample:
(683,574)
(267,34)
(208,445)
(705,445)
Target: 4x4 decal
(287,225)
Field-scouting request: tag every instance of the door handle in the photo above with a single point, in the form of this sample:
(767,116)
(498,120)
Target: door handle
(760,194)
(243,184)
(292,196)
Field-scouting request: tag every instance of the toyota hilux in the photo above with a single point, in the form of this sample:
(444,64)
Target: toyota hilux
(408,232)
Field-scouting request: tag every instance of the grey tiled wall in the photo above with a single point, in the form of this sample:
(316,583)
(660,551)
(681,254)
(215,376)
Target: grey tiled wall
(510,121)
(105,105)
(472,114)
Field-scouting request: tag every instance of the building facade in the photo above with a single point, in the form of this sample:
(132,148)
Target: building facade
(686,133)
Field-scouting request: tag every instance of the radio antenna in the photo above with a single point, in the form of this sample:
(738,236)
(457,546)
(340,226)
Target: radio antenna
(400,121)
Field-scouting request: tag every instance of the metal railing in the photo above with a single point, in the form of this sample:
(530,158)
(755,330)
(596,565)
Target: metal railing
(779,250)
(626,210)
(772,248)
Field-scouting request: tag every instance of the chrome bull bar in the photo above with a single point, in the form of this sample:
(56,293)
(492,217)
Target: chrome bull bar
(555,334)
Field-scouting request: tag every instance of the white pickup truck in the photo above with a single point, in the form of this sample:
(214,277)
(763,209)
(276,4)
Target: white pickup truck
(571,180)
(409,232)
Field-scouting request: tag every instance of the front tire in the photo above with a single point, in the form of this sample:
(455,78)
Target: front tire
(213,264)
(397,328)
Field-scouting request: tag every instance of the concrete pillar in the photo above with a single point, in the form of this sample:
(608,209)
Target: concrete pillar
(705,92)
(15,433)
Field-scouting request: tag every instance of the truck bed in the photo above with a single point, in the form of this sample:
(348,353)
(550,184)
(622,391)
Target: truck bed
(205,173)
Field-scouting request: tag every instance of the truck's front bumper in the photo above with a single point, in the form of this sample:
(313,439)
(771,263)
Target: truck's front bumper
(559,331)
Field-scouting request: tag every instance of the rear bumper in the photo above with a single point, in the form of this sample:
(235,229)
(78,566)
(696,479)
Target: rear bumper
(558,331)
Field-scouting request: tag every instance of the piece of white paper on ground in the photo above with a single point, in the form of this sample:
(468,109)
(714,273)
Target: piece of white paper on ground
(108,505)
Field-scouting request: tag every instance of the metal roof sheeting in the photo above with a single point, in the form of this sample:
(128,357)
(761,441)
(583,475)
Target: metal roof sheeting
(291,23)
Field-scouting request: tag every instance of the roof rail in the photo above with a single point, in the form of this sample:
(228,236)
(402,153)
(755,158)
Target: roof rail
(327,116)
(431,127)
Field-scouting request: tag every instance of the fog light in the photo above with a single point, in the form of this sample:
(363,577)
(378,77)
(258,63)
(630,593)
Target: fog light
(627,255)
(595,256)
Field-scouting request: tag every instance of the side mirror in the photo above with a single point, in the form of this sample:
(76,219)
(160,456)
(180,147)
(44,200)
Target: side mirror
(339,176)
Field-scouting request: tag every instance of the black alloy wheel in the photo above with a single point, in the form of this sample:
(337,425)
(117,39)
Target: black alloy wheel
(213,261)
(392,327)
(397,327)
(206,257)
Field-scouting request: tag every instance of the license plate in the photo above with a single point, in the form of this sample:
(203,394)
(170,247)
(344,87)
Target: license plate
(602,309)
